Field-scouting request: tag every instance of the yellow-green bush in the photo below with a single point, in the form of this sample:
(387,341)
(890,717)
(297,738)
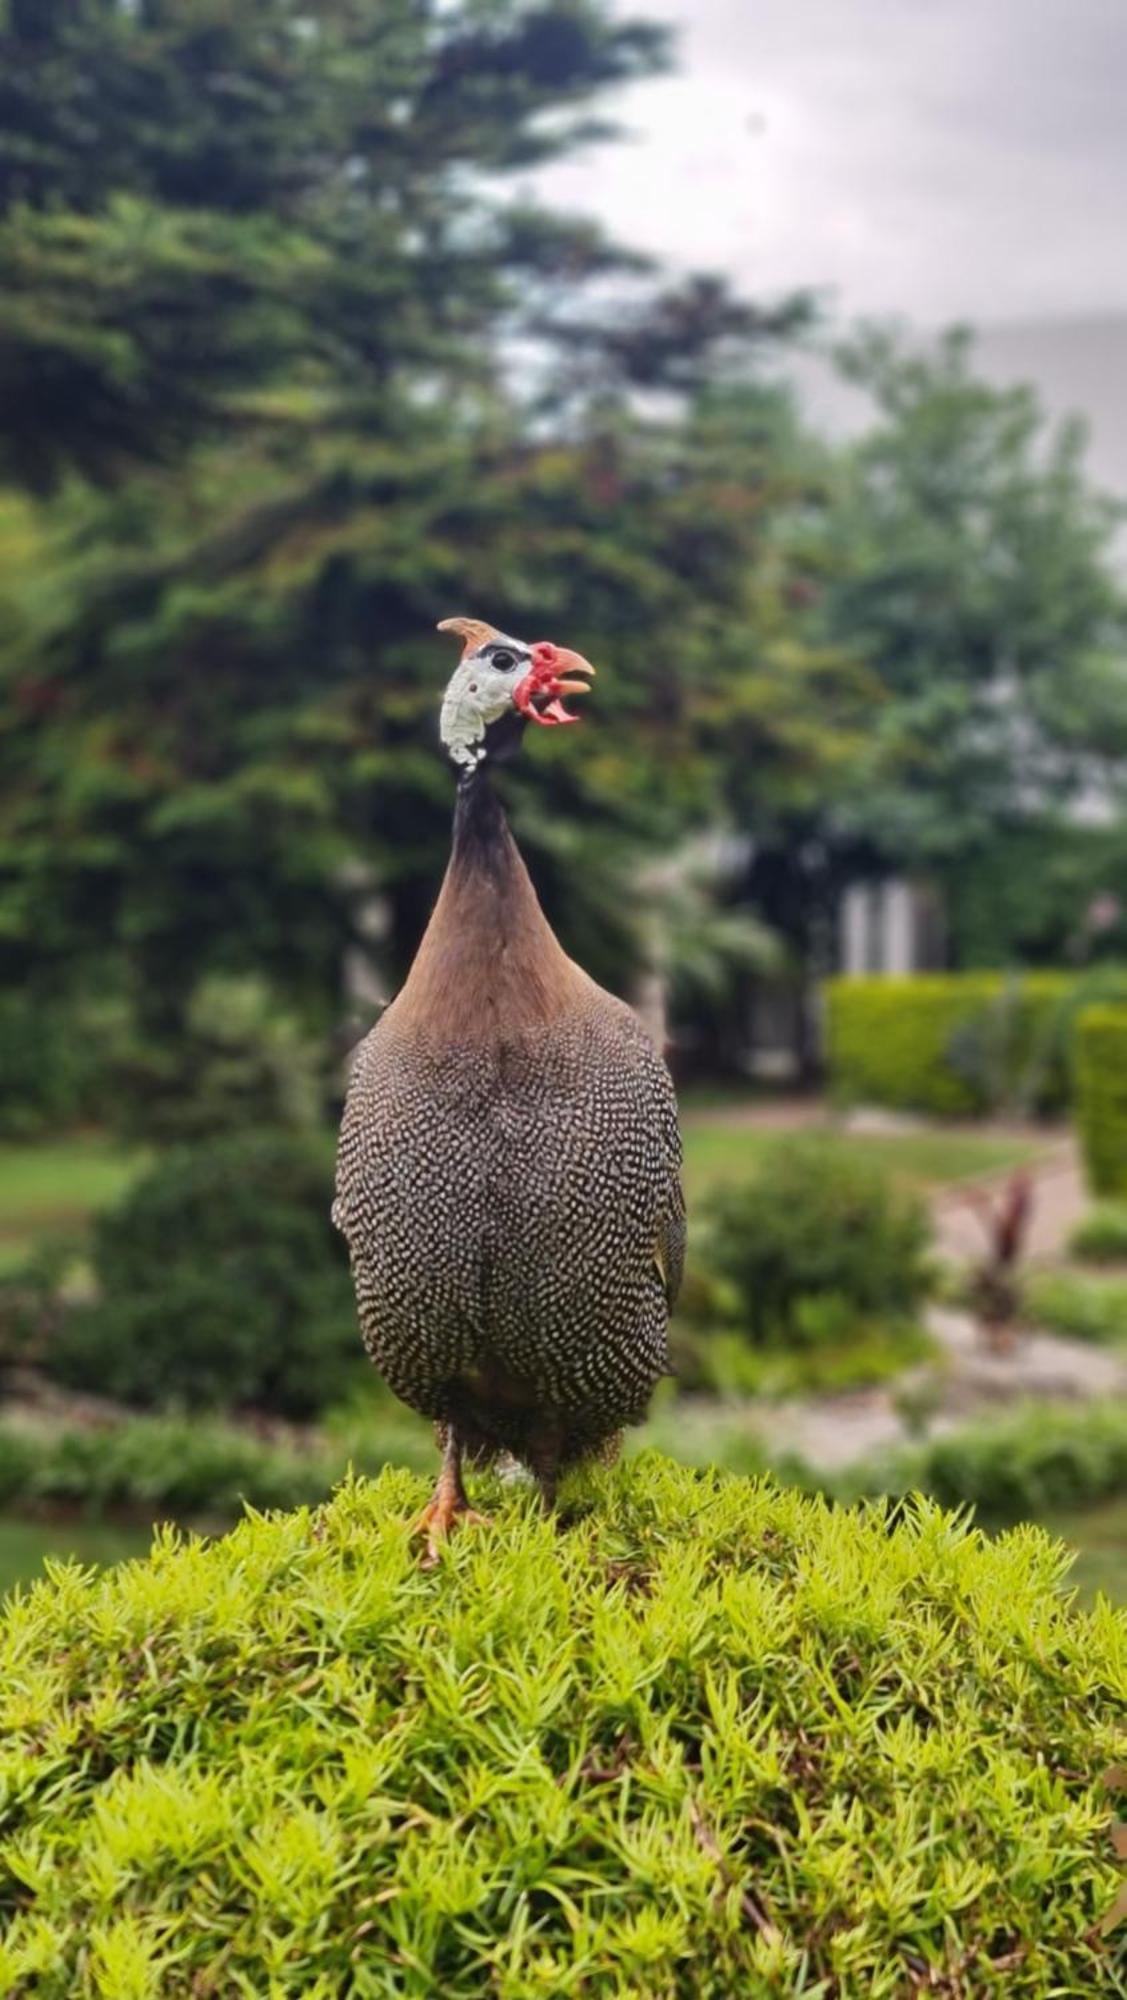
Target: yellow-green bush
(1101,1080)
(955,1044)
(700,1737)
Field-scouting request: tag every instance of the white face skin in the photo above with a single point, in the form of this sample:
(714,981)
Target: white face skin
(479,693)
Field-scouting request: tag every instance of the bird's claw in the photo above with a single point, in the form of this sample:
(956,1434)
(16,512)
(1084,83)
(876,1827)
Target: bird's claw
(438,1520)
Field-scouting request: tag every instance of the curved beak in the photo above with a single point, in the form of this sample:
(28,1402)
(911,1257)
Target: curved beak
(574,663)
(555,671)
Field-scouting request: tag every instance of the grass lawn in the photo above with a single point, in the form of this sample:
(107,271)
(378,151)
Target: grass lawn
(1100,1535)
(722,1150)
(24,1544)
(56,1185)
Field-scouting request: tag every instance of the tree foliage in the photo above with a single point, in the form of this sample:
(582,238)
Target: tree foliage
(218,689)
(290,365)
(199,200)
(974,577)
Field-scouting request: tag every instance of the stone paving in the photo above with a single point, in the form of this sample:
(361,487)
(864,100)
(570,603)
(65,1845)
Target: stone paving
(832,1431)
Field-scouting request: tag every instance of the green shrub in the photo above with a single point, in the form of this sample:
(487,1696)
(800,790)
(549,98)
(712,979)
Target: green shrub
(1101,1237)
(223,1284)
(19,1457)
(719,1361)
(703,1738)
(1031,1462)
(1079,1304)
(955,1044)
(1034,1461)
(817,1242)
(160,1466)
(183,1467)
(1101,1076)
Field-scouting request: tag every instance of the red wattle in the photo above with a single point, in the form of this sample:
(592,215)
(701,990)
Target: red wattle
(542,678)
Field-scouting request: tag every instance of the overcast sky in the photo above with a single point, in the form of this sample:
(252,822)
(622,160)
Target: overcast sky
(936,158)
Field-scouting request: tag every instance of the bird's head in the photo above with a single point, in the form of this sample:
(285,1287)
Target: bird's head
(499,681)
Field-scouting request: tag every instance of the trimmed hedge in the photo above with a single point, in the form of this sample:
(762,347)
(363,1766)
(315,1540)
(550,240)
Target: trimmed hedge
(701,1737)
(955,1044)
(174,1465)
(1035,1460)
(1087,1305)
(1101,1077)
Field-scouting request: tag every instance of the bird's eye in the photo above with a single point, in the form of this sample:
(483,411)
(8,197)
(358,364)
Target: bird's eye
(503,659)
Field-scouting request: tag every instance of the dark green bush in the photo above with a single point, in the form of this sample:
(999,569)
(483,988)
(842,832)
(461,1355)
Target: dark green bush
(705,1738)
(955,1044)
(1101,1076)
(816,1243)
(223,1284)
(1101,1236)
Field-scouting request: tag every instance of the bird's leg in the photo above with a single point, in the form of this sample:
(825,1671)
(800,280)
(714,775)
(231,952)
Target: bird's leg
(546,1467)
(447,1504)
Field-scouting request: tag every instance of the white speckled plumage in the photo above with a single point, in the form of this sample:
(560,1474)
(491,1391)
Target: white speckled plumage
(508,1176)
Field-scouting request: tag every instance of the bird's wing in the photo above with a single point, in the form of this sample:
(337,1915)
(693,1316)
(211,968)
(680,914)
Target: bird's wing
(670,1253)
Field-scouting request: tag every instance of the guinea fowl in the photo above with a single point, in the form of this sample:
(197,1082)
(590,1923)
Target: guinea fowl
(508,1170)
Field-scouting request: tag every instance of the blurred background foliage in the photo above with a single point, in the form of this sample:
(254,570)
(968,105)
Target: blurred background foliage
(287,370)
(291,365)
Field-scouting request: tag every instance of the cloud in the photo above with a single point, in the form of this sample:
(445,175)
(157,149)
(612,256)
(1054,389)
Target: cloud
(939,158)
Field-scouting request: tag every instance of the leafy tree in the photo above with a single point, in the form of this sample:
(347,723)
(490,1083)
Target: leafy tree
(199,200)
(264,286)
(205,734)
(969,568)
(218,689)
(267,248)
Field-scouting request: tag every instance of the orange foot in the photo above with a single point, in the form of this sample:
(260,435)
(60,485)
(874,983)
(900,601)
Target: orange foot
(439,1517)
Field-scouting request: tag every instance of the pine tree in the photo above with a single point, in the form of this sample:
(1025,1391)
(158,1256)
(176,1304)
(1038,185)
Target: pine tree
(200,201)
(306,437)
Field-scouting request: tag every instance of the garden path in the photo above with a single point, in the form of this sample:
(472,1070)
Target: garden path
(832,1431)
(1059,1200)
